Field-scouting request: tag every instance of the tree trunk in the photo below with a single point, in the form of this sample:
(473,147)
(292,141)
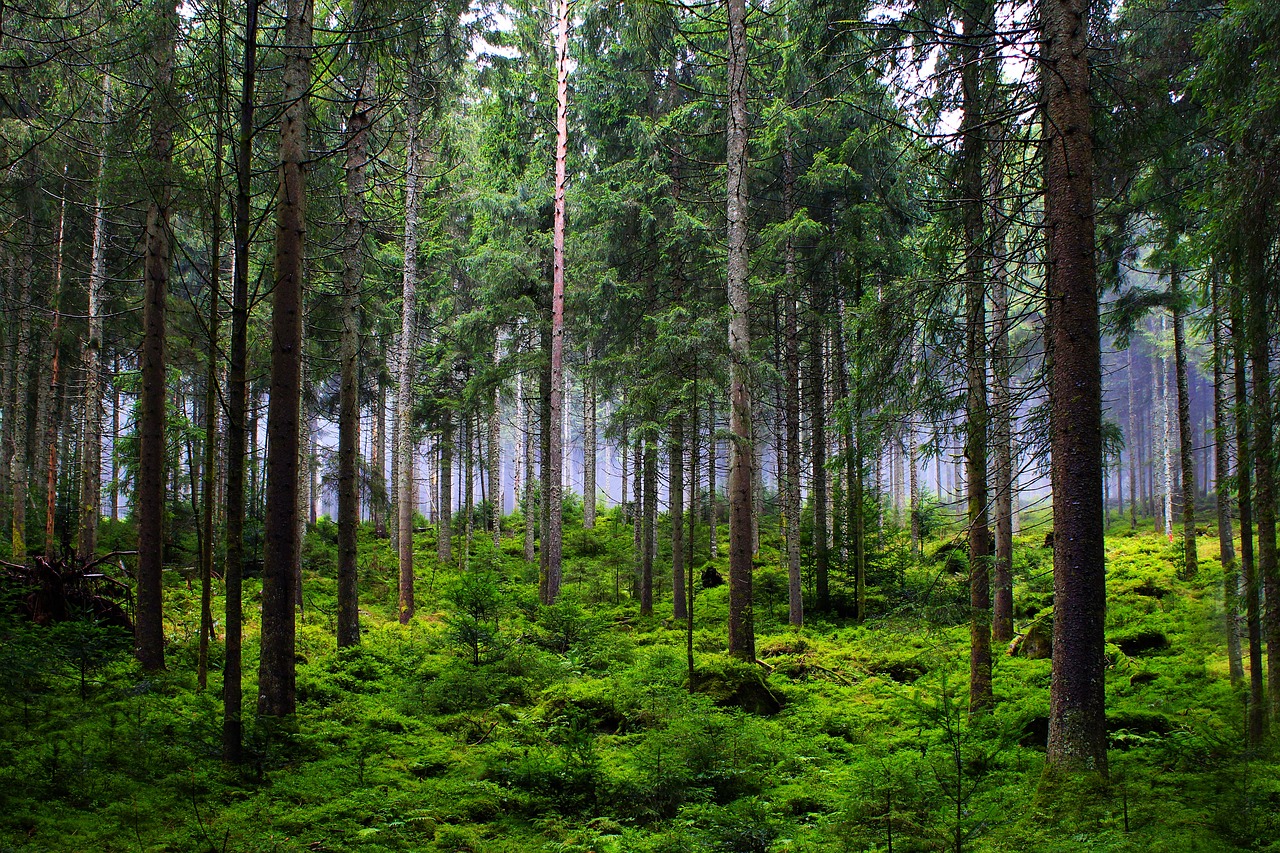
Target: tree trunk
(650,517)
(1222,474)
(679,605)
(553,543)
(1186,446)
(149,492)
(91,464)
(1257,703)
(589,452)
(444,537)
(742,642)
(353,235)
(55,384)
(408,341)
(1077,718)
(1132,441)
(495,460)
(1002,432)
(1260,323)
(713,548)
(791,486)
(237,400)
(976,16)
(818,455)
(276,670)
(378,477)
(530,496)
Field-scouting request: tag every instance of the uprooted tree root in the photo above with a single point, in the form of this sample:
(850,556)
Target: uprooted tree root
(67,588)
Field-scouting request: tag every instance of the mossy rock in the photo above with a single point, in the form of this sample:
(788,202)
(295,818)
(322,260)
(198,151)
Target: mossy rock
(731,683)
(1035,641)
(1142,642)
(903,670)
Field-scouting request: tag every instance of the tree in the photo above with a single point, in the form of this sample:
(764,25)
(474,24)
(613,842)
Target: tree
(742,641)
(149,495)
(276,672)
(1077,718)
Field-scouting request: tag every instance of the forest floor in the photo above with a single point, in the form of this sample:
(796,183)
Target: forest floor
(491,724)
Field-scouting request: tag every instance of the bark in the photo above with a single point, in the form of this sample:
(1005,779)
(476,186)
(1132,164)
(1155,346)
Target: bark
(589,452)
(679,606)
(149,491)
(1166,438)
(530,495)
(276,670)
(495,461)
(742,641)
(553,542)
(55,384)
(1264,501)
(1132,442)
(1186,446)
(650,516)
(1257,704)
(91,464)
(818,454)
(976,17)
(693,521)
(1002,428)
(713,548)
(208,483)
(378,477)
(546,426)
(444,538)
(404,385)
(1077,719)
(1222,473)
(791,344)
(237,403)
(353,236)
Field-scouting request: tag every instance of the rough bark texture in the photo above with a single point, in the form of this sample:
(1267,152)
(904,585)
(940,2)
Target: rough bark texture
(55,385)
(975,17)
(552,541)
(1002,430)
(677,518)
(1222,474)
(1077,719)
(276,671)
(649,506)
(91,464)
(589,452)
(353,234)
(444,538)
(404,385)
(149,492)
(1257,703)
(1186,445)
(742,641)
(1264,467)
(818,455)
(494,458)
(791,344)
(237,401)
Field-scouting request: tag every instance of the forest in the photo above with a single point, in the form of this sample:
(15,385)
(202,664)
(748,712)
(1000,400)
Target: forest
(596,426)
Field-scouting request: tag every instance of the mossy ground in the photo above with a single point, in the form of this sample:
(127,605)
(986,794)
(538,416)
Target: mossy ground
(491,724)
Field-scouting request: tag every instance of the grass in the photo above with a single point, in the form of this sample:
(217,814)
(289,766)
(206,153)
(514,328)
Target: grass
(492,724)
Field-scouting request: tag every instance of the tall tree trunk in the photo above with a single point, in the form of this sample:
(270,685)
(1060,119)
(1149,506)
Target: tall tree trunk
(1077,718)
(207,486)
(791,337)
(1132,441)
(546,426)
(693,522)
(713,548)
(1186,446)
(1222,474)
(1002,432)
(55,382)
(818,456)
(276,670)
(530,492)
(353,235)
(408,341)
(378,486)
(977,17)
(444,538)
(1260,322)
(91,464)
(589,452)
(552,543)
(149,492)
(1257,703)
(1166,438)
(742,641)
(237,400)
(495,460)
(649,520)
(679,606)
